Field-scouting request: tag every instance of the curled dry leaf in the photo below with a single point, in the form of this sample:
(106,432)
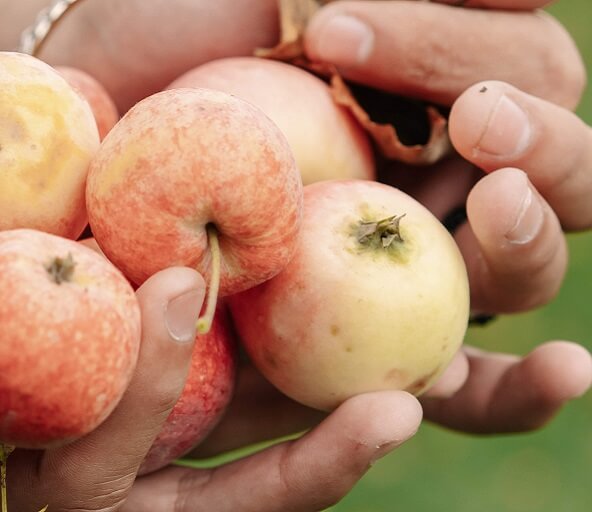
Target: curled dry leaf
(397,135)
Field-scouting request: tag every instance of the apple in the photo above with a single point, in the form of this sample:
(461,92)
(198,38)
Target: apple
(196,178)
(47,137)
(69,340)
(100,101)
(208,390)
(327,142)
(376,297)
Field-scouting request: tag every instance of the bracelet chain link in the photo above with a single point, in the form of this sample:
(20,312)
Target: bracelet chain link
(32,37)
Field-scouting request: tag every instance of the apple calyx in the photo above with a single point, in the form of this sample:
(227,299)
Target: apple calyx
(380,234)
(61,270)
(204,322)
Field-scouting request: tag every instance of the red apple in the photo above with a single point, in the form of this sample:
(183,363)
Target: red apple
(205,397)
(376,297)
(326,140)
(187,159)
(101,103)
(47,137)
(69,340)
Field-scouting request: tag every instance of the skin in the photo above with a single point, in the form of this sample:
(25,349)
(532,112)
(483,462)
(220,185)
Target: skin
(101,103)
(485,400)
(327,143)
(47,139)
(232,169)
(62,374)
(342,319)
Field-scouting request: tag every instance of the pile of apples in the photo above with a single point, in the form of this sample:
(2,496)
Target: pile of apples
(246,170)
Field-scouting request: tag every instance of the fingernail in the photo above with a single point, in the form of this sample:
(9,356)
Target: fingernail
(529,219)
(181,315)
(344,40)
(508,130)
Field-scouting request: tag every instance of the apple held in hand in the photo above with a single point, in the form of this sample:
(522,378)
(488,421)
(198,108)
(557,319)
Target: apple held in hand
(188,165)
(47,137)
(326,140)
(208,390)
(69,339)
(376,297)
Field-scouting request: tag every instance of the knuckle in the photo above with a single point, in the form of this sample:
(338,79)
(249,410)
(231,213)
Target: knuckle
(429,62)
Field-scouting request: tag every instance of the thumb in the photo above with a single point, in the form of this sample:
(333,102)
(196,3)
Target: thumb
(98,470)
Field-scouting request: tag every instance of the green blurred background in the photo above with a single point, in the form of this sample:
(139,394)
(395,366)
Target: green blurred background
(547,471)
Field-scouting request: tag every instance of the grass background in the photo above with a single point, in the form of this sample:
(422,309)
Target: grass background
(546,471)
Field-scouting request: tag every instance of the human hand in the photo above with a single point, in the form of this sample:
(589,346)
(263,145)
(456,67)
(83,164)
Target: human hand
(480,393)
(98,472)
(433,51)
(136,48)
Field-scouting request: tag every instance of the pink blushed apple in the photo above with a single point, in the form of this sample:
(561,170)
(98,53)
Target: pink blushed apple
(182,164)
(376,297)
(327,142)
(69,340)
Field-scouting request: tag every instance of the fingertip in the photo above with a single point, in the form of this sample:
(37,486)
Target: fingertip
(172,282)
(494,203)
(338,36)
(561,370)
(452,379)
(488,124)
(382,419)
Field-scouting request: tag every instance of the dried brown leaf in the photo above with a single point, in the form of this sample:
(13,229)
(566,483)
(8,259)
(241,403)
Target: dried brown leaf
(294,17)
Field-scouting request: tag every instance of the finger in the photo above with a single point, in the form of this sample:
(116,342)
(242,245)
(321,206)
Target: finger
(514,249)
(508,394)
(259,412)
(452,379)
(311,473)
(109,40)
(101,467)
(377,43)
(496,125)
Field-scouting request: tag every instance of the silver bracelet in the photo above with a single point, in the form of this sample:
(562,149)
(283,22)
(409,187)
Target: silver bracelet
(33,37)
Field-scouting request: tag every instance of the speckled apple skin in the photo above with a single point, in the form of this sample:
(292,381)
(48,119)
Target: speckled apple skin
(47,137)
(208,390)
(327,142)
(185,158)
(340,320)
(67,351)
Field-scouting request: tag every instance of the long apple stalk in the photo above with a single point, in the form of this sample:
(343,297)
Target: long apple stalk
(204,322)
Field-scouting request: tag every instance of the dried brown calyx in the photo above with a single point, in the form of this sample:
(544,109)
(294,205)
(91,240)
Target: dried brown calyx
(403,129)
(61,270)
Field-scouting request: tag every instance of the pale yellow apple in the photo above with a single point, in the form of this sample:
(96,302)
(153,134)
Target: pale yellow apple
(376,297)
(47,137)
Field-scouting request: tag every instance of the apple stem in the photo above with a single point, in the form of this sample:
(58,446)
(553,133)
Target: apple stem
(5,451)
(204,322)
